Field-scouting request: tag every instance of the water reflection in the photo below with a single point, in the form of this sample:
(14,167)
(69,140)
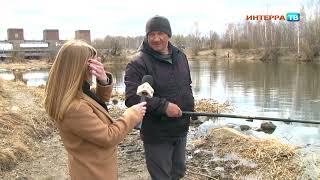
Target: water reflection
(284,90)
(30,78)
(35,78)
(279,90)
(6,75)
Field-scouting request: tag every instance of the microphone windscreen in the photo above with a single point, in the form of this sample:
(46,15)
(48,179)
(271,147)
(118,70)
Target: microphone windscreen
(148,79)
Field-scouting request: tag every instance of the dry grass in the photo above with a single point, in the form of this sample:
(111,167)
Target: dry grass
(7,159)
(212,106)
(27,65)
(23,122)
(272,159)
(1,83)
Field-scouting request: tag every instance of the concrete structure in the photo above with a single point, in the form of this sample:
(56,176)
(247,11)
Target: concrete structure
(5,49)
(15,34)
(17,47)
(51,35)
(83,35)
(34,49)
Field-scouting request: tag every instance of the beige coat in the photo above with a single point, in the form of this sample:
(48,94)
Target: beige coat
(91,136)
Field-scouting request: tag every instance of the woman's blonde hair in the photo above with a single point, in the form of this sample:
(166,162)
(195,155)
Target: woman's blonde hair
(66,76)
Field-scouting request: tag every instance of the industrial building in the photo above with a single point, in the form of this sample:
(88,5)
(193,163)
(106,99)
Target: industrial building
(17,47)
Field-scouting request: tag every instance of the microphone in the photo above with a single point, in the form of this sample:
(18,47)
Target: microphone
(145,91)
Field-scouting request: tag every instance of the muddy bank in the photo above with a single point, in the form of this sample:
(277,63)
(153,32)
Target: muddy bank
(226,153)
(23,123)
(226,54)
(259,54)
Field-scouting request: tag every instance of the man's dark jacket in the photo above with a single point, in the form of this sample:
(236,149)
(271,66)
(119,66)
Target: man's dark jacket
(171,83)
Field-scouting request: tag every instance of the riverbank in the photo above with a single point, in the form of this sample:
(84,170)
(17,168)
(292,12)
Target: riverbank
(32,149)
(259,54)
(228,54)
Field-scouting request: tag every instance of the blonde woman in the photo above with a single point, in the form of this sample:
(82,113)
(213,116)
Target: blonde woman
(89,134)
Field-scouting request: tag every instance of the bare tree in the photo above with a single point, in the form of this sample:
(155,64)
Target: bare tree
(179,41)
(195,40)
(213,39)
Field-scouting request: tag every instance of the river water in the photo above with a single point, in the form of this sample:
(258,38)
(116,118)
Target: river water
(283,90)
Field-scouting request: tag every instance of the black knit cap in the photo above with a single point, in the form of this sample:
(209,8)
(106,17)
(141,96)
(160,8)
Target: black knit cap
(158,23)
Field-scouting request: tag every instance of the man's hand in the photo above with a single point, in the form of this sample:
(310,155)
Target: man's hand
(173,110)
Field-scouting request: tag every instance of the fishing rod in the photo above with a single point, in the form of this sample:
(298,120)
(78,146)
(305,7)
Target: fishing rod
(189,113)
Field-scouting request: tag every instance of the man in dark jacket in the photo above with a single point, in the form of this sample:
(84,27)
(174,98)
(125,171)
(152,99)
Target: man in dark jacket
(164,128)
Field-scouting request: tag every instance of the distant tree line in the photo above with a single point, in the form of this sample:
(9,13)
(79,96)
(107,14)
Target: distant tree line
(113,45)
(302,37)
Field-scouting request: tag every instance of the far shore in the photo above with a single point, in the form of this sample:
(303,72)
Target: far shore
(284,55)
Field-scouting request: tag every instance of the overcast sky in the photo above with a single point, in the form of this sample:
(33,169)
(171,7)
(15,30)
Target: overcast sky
(128,18)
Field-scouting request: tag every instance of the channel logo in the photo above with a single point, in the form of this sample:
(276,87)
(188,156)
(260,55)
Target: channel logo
(293,17)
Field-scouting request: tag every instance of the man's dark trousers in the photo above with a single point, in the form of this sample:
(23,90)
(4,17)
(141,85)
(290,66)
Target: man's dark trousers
(166,160)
